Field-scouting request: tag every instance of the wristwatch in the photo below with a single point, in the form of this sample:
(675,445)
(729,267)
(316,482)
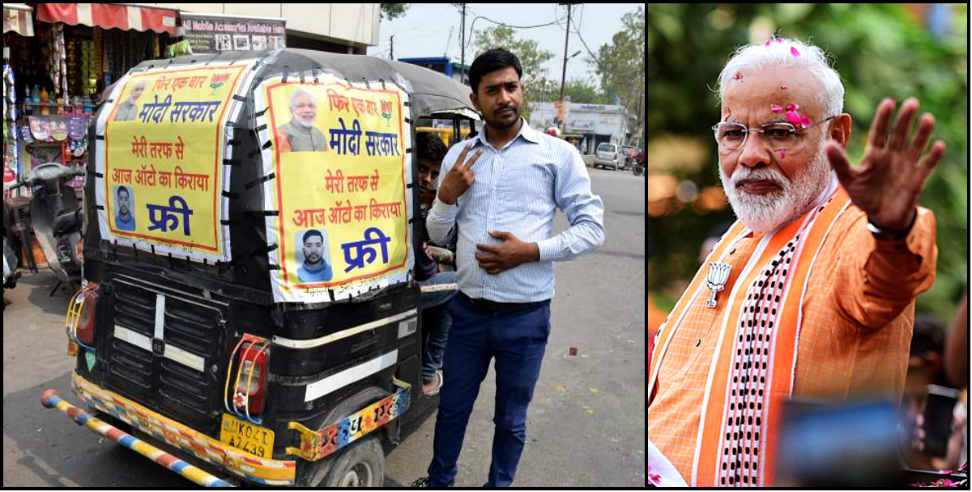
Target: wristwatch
(885,234)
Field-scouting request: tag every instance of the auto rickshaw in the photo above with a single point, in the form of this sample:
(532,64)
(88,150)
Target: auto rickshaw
(248,294)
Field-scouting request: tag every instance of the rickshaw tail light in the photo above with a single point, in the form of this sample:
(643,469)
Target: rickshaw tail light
(86,319)
(253,390)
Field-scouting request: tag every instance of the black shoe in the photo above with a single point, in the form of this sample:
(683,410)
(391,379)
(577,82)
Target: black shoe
(422,482)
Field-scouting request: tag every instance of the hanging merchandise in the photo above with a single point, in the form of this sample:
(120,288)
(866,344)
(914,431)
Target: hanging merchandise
(74,66)
(53,65)
(40,128)
(96,59)
(78,147)
(60,59)
(25,134)
(59,131)
(11,150)
(77,127)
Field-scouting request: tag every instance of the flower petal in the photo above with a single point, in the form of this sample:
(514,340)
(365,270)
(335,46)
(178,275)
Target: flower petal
(776,109)
(779,40)
(784,87)
(768,41)
(738,76)
(794,51)
(792,107)
(805,121)
(782,153)
(792,117)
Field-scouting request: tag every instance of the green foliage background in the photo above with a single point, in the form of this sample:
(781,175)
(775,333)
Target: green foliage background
(880,50)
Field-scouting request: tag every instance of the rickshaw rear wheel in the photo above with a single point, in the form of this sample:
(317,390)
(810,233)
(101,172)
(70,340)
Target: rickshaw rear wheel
(331,470)
(361,465)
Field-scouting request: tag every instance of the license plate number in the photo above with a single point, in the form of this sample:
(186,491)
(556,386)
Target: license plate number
(246,436)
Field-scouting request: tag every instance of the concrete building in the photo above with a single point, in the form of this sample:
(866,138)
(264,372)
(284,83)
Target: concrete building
(591,124)
(335,27)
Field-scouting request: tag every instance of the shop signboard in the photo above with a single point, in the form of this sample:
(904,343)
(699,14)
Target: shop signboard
(218,33)
(160,164)
(339,157)
(581,122)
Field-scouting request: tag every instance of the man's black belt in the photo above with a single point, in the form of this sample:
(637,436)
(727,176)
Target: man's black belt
(501,307)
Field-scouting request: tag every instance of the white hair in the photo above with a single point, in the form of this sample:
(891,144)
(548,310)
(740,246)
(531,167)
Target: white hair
(779,53)
(300,92)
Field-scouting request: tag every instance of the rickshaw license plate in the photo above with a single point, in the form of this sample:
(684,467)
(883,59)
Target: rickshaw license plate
(246,436)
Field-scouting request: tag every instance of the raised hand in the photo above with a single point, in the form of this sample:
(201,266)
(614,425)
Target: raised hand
(890,177)
(459,178)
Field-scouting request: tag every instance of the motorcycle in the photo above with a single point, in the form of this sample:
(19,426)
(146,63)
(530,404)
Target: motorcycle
(56,218)
(638,169)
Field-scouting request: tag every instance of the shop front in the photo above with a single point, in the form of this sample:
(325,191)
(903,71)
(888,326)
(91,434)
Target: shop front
(57,62)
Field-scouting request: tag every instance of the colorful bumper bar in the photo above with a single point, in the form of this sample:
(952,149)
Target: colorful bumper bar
(50,400)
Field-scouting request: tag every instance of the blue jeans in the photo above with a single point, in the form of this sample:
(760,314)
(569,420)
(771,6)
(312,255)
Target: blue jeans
(517,342)
(436,319)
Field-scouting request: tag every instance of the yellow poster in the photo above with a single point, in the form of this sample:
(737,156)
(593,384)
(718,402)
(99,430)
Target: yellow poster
(339,159)
(163,164)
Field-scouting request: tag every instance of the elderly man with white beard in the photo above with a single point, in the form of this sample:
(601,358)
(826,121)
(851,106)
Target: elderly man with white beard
(299,134)
(811,292)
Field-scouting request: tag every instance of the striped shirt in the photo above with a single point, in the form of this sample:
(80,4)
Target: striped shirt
(518,189)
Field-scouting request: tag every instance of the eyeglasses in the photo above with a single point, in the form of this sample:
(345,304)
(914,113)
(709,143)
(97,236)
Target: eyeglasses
(779,135)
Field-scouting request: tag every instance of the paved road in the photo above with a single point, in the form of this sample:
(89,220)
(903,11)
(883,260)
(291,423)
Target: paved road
(585,426)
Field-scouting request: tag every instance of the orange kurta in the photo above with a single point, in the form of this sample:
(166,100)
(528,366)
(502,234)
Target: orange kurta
(857,318)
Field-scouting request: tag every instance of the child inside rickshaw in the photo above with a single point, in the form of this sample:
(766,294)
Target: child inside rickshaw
(438,287)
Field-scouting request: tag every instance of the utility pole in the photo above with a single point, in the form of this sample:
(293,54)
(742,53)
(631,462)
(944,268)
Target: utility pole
(391,53)
(563,74)
(462,59)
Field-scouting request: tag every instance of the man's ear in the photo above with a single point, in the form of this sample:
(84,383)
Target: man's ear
(840,129)
(475,101)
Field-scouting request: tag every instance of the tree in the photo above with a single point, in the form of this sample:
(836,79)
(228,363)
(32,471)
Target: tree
(531,56)
(582,91)
(621,64)
(392,11)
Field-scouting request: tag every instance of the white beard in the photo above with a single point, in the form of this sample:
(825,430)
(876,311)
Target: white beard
(305,124)
(766,213)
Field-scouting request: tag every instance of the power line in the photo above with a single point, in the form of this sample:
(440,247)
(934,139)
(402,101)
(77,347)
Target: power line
(471,26)
(589,52)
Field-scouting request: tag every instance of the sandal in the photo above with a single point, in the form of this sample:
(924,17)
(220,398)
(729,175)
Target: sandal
(436,385)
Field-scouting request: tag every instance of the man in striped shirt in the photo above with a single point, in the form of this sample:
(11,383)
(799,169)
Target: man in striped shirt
(501,189)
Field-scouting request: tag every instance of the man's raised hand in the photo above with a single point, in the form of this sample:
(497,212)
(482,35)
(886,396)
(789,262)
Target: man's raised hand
(459,178)
(890,177)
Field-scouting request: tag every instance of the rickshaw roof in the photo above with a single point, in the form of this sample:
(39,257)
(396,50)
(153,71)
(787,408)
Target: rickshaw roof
(430,92)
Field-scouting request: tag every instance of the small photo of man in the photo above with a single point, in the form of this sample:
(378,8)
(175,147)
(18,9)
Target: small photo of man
(224,42)
(299,134)
(313,256)
(259,43)
(241,42)
(127,109)
(124,219)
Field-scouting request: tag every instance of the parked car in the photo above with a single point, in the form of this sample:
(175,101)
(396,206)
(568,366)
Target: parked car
(607,155)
